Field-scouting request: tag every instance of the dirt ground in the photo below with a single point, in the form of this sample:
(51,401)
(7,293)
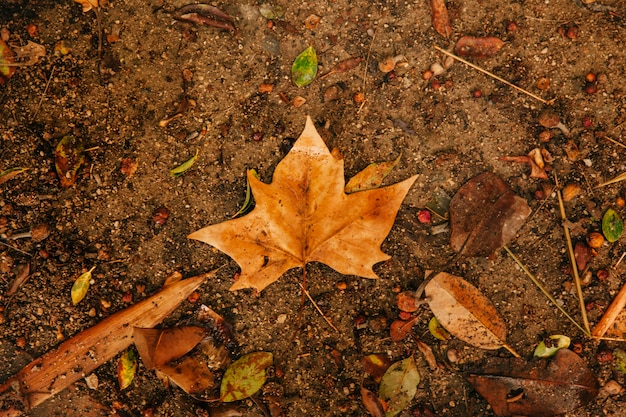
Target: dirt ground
(112,92)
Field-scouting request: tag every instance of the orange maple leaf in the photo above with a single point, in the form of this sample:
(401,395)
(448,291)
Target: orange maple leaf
(304,215)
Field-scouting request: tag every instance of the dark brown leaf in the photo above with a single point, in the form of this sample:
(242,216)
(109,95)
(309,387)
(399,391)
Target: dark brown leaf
(22,275)
(158,347)
(376,365)
(68,157)
(371,403)
(478,47)
(542,387)
(440,18)
(485,215)
(400,329)
(582,254)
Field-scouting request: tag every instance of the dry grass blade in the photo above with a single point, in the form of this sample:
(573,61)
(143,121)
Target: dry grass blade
(620,177)
(78,356)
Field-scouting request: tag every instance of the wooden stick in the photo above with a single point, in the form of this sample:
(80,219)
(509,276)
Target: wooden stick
(611,313)
(502,80)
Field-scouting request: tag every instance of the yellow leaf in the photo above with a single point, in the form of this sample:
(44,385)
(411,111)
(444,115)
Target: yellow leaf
(126,368)
(184,167)
(371,177)
(81,286)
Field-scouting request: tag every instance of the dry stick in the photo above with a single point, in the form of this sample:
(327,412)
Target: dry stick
(43,96)
(572,258)
(611,313)
(476,67)
(318,308)
(367,60)
(619,260)
(543,289)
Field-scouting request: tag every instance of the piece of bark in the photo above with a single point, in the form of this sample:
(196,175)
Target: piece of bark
(611,313)
(440,18)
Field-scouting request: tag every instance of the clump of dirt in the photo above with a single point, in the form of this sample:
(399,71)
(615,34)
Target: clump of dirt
(113,77)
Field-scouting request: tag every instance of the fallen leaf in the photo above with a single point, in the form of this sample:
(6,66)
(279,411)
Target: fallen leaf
(372,403)
(582,254)
(478,47)
(81,286)
(465,312)
(400,329)
(305,216)
(248,201)
(343,66)
(440,18)
(245,376)
(435,328)
(376,365)
(304,67)
(271,11)
(485,215)
(612,225)
(126,368)
(10,173)
(550,345)
(20,278)
(68,157)
(429,356)
(80,355)
(30,53)
(399,385)
(540,388)
(371,177)
(185,166)
(7,56)
(158,347)
(205,14)
(190,374)
(87,4)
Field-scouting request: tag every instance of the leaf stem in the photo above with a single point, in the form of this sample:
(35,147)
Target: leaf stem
(510,349)
(543,290)
(318,308)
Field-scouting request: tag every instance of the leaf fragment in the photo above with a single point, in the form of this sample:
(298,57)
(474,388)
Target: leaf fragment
(548,386)
(68,157)
(185,166)
(158,347)
(7,56)
(465,312)
(271,11)
(81,286)
(440,18)
(371,177)
(10,173)
(550,345)
(245,376)
(88,4)
(376,365)
(478,47)
(372,403)
(620,360)
(612,225)
(248,201)
(399,385)
(304,68)
(126,368)
(437,330)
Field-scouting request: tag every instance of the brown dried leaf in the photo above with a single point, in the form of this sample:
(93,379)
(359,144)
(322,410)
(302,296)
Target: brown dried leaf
(68,157)
(158,347)
(541,387)
(465,312)
(190,374)
(478,47)
(429,356)
(485,215)
(371,403)
(400,329)
(315,221)
(376,365)
(582,254)
(440,18)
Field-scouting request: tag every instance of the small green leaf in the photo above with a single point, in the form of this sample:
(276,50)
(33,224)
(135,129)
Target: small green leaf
(126,368)
(437,330)
(184,167)
(371,177)
(304,68)
(549,346)
(80,287)
(247,203)
(10,173)
(271,11)
(245,376)
(399,385)
(620,360)
(68,157)
(612,225)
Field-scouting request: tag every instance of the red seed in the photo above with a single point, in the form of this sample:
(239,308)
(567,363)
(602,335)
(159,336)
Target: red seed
(427,75)
(194,297)
(572,32)
(257,136)
(577,347)
(127,297)
(602,274)
(477,93)
(435,84)
(605,356)
(424,216)
(511,26)
(161,215)
(590,77)
(407,301)
(404,315)
(591,89)
(587,122)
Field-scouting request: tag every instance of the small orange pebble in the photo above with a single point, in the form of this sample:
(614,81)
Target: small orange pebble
(194,297)
(266,88)
(21,342)
(32,30)
(342,286)
(620,202)
(112,38)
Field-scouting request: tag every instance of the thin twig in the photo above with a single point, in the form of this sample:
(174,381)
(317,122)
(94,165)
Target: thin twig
(43,96)
(543,289)
(572,258)
(619,260)
(318,308)
(14,248)
(367,61)
(615,142)
(484,71)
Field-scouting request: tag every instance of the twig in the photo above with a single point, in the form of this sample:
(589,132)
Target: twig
(543,289)
(619,260)
(43,96)
(611,313)
(476,67)
(367,61)
(615,141)
(620,177)
(572,258)
(510,349)
(317,307)
(15,249)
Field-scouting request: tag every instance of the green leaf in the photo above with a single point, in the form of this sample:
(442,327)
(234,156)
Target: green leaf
(68,157)
(247,203)
(371,177)
(399,385)
(10,173)
(612,225)
(549,346)
(620,360)
(126,368)
(304,68)
(184,167)
(80,287)
(437,330)
(245,376)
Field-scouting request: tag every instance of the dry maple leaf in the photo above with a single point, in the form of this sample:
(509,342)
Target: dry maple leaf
(304,215)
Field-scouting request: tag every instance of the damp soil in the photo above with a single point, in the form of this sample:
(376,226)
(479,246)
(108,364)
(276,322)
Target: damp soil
(130,66)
